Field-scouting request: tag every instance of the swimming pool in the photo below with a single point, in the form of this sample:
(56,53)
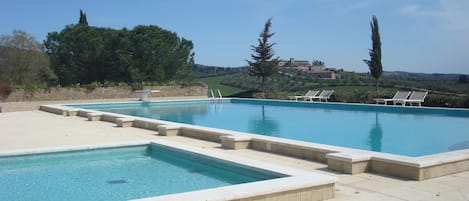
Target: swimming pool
(120,173)
(396,130)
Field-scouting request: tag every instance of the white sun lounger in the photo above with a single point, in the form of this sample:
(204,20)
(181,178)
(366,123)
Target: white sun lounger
(399,97)
(309,93)
(417,97)
(143,94)
(324,95)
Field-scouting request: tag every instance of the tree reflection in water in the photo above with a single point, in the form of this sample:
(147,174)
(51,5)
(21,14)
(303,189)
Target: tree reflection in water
(263,124)
(176,113)
(376,136)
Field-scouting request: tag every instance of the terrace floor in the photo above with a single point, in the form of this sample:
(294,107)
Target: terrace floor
(37,129)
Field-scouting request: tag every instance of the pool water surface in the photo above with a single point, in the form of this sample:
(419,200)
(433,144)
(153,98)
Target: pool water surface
(396,130)
(117,174)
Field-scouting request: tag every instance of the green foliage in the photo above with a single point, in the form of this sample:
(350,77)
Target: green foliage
(374,64)
(75,85)
(441,100)
(108,83)
(137,86)
(22,60)
(356,95)
(216,83)
(353,87)
(209,71)
(271,95)
(84,54)
(263,64)
(462,79)
(122,84)
(83,20)
(93,85)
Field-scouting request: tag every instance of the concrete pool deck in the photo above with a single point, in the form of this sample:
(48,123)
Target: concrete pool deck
(37,129)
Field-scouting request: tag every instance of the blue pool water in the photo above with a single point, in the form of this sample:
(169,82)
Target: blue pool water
(116,174)
(397,130)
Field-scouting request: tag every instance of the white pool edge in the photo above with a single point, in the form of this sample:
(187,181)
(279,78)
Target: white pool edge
(296,179)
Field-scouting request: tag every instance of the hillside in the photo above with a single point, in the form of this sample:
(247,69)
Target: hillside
(403,74)
(215,83)
(445,90)
(206,71)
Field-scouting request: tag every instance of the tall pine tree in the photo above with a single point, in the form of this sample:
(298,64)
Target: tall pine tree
(263,64)
(376,68)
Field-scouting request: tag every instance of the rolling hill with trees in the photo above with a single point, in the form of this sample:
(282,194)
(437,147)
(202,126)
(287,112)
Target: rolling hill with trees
(446,90)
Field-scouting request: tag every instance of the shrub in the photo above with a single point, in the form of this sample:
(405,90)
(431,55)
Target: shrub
(464,102)
(355,96)
(122,84)
(108,83)
(92,86)
(137,86)
(271,95)
(439,100)
(76,85)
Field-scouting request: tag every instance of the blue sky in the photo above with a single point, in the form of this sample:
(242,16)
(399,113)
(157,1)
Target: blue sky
(417,36)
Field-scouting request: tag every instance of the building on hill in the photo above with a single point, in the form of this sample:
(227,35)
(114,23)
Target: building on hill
(296,64)
(326,74)
(313,71)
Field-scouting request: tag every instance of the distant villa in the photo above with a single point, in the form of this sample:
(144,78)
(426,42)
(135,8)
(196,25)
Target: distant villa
(314,71)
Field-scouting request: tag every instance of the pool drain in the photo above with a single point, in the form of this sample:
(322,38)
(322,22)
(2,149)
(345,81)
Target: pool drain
(117,181)
(194,171)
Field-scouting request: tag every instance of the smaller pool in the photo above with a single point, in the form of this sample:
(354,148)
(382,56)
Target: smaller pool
(122,173)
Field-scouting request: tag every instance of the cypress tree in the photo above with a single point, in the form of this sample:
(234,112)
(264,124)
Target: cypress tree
(83,20)
(263,64)
(374,64)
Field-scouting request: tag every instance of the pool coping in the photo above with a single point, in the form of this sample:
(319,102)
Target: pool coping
(346,160)
(296,182)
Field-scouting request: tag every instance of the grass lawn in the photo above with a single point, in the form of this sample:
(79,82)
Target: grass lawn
(371,89)
(214,83)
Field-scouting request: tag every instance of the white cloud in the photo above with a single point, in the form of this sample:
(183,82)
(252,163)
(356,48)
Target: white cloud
(450,14)
(410,9)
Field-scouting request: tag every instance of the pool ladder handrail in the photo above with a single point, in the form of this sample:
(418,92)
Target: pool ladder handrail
(219,94)
(213,95)
(211,92)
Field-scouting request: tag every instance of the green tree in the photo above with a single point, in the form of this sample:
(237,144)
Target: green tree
(263,64)
(77,54)
(22,60)
(83,20)
(86,54)
(159,55)
(374,64)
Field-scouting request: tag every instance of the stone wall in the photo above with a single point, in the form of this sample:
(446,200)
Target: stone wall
(100,93)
